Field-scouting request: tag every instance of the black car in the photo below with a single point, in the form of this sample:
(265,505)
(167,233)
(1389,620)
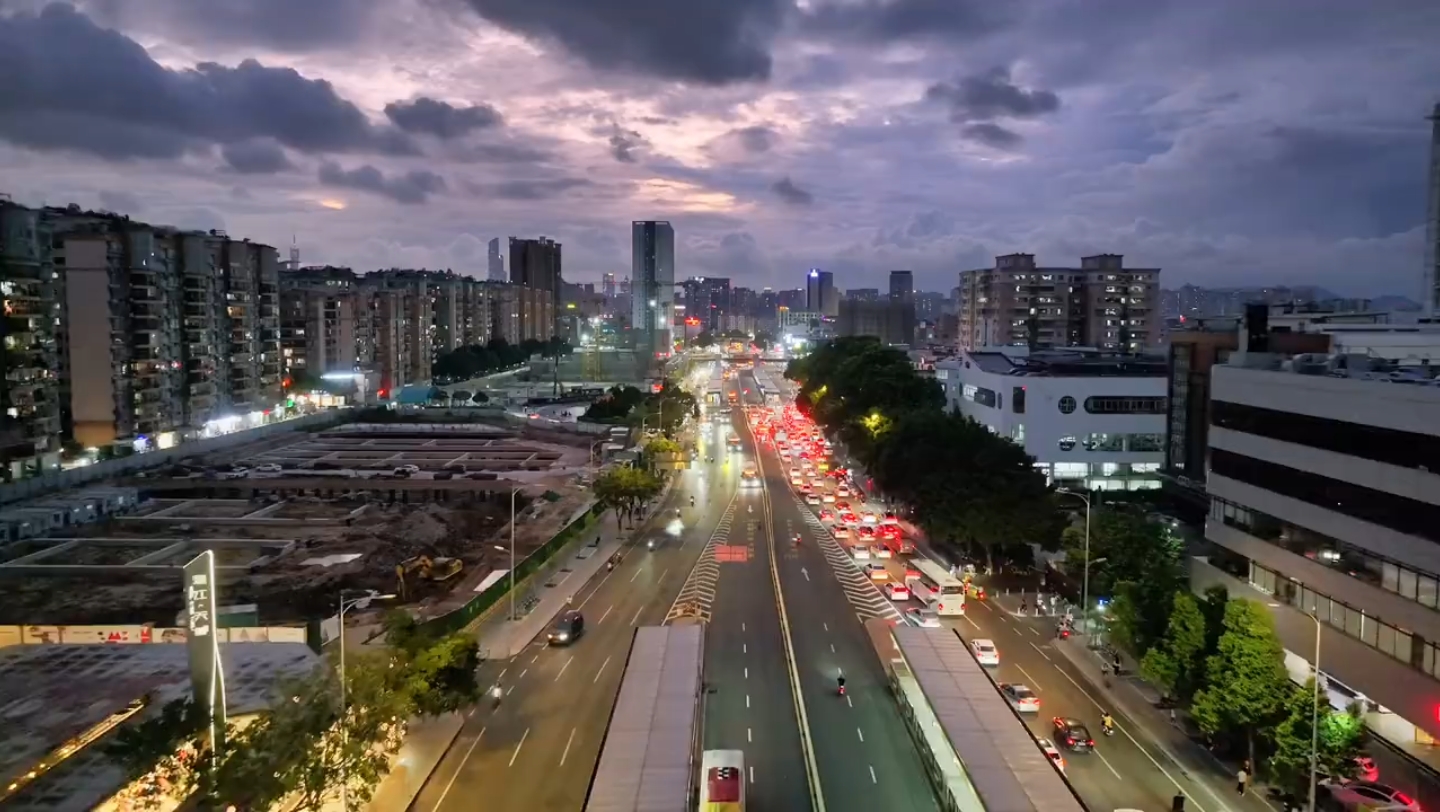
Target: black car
(567,629)
(1072,735)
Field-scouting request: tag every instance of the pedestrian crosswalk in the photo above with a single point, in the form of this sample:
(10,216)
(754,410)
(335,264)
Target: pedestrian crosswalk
(860,590)
(697,595)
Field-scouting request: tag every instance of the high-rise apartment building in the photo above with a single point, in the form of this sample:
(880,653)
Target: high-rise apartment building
(708,298)
(652,275)
(324,323)
(820,294)
(902,286)
(1101,304)
(929,306)
(1431,275)
(893,322)
(862,295)
(535,264)
(29,351)
(607,286)
(495,262)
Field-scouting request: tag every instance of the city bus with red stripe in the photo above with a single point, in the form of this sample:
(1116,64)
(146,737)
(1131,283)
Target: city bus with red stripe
(722,781)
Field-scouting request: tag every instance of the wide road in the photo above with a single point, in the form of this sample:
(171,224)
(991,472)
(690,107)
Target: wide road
(750,704)
(539,748)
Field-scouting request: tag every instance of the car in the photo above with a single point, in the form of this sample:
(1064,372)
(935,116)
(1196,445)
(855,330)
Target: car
(794,480)
(1366,769)
(849,518)
(840,531)
(408,468)
(812,499)
(1071,734)
(985,651)
(839,505)
(268,468)
(897,592)
(889,518)
(877,572)
(1020,697)
(567,629)
(827,515)
(1357,794)
(828,498)
(923,617)
(803,487)
(842,491)
(1051,752)
(794,472)
(882,551)
(869,518)
(864,532)
(860,552)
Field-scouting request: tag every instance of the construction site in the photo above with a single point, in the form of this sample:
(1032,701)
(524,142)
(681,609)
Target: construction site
(421,511)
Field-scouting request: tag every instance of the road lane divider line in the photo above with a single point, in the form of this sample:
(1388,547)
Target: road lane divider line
(568,742)
(697,594)
(636,575)
(463,759)
(607,614)
(516,754)
(807,746)
(873,779)
(1109,766)
(861,734)
(600,671)
(1034,683)
(1039,651)
(636,619)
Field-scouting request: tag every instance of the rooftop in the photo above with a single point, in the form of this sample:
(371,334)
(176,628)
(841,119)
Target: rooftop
(1066,363)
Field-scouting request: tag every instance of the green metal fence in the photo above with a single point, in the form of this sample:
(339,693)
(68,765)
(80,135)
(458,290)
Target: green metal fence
(477,606)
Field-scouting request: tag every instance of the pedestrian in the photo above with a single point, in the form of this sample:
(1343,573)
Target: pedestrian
(1024,607)
(1172,717)
(1241,778)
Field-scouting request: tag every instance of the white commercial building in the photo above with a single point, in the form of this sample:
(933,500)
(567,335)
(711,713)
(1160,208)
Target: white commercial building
(1090,420)
(1324,478)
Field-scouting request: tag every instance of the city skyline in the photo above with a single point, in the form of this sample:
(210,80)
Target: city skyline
(771,153)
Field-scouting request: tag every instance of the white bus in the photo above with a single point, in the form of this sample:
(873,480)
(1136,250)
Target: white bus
(939,589)
(722,781)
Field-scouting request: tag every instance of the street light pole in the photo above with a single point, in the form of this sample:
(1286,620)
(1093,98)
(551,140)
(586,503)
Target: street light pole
(1315,717)
(345,606)
(513,493)
(1085,579)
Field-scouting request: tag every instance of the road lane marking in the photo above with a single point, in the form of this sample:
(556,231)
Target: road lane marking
(861,734)
(533,659)
(873,779)
(848,701)
(832,648)
(663,574)
(972,623)
(1034,683)
(510,690)
(636,575)
(805,573)
(568,742)
(522,674)
(1033,630)
(744,648)
(747,672)
(636,619)
(607,614)
(448,784)
(600,671)
(986,606)
(747,700)
(1037,648)
(826,625)
(516,754)
(749,736)
(1107,763)
(502,672)
(752,773)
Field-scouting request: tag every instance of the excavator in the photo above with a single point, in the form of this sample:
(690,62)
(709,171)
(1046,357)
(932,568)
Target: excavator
(438,569)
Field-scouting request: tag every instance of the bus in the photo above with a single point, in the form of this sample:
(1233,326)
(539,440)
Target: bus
(939,589)
(722,781)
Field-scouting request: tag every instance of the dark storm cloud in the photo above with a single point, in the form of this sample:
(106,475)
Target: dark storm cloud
(793,195)
(413,187)
(531,189)
(122,202)
(704,42)
(991,95)
(624,143)
(284,25)
(255,157)
(991,135)
(441,119)
(755,140)
(497,153)
(118,103)
(888,20)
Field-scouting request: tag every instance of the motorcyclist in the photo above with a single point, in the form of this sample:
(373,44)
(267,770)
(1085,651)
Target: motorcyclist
(1107,722)
(692,501)
(496,692)
(840,681)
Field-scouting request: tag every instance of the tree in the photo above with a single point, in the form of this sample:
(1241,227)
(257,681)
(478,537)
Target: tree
(1342,738)
(764,339)
(615,405)
(1246,682)
(623,490)
(1126,547)
(1176,663)
(460,395)
(479,397)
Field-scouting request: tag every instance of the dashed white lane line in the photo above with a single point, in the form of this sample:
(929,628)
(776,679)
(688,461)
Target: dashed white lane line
(1034,683)
(636,619)
(832,648)
(861,734)
(636,575)
(600,671)
(752,773)
(873,779)
(848,701)
(744,648)
(607,614)
(522,674)
(749,735)
(503,670)
(747,700)
(568,742)
(563,667)
(1042,653)
(972,623)
(1110,766)
(516,754)
(826,625)
(465,758)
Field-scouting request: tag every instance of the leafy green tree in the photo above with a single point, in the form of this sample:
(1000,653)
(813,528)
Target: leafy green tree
(1125,617)
(616,404)
(1126,547)
(479,397)
(1342,738)
(1246,683)
(1176,663)
(624,490)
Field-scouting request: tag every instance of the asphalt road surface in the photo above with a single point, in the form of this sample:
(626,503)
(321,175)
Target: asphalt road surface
(538,749)
(750,705)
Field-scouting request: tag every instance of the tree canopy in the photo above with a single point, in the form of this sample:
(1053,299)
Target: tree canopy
(625,490)
(496,355)
(1246,682)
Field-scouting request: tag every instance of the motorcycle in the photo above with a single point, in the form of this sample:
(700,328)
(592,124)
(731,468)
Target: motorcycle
(841,682)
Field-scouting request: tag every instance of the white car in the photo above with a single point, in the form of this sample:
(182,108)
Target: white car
(828,498)
(877,572)
(985,651)
(812,499)
(881,551)
(924,617)
(794,473)
(408,468)
(269,468)
(794,480)
(840,531)
(842,492)
(897,592)
(1020,697)
(869,518)
(1052,752)
(860,552)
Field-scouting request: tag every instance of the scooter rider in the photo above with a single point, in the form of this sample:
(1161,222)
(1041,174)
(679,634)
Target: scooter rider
(1107,722)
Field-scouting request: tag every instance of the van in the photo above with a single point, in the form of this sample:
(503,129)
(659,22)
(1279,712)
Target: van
(567,629)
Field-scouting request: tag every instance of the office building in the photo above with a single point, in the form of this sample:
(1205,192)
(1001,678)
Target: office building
(820,294)
(1091,420)
(1101,304)
(1431,274)
(708,298)
(929,306)
(607,286)
(496,262)
(891,321)
(652,275)
(862,295)
(536,264)
(1325,508)
(902,286)
(793,298)
(801,325)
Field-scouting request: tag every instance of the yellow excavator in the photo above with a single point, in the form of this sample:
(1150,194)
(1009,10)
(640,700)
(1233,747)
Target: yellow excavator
(438,569)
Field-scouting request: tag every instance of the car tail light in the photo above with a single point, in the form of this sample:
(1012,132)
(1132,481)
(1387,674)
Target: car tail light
(1069,741)
(1089,742)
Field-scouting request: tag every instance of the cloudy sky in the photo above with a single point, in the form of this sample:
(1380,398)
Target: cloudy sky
(1228,142)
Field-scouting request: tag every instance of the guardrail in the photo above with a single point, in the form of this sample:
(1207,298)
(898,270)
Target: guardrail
(455,621)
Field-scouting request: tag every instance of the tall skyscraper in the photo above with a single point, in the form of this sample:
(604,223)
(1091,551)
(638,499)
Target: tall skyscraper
(707,298)
(497,262)
(820,296)
(652,275)
(902,286)
(535,264)
(607,285)
(1431,290)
